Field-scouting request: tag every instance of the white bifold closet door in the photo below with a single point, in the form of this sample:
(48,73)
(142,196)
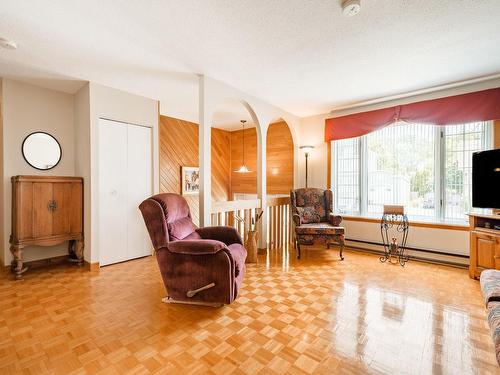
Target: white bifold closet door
(125,169)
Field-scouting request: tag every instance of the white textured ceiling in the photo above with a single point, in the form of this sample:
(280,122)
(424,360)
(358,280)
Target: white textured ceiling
(300,55)
(228,115)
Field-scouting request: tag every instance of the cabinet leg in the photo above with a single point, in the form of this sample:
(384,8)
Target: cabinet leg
(79,251)
(17,264)
(75,250)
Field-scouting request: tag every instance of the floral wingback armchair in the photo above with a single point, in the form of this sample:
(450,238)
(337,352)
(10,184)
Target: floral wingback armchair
(314,220)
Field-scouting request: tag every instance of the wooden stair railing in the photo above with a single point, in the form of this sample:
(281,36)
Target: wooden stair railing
(279,219)
(225,212)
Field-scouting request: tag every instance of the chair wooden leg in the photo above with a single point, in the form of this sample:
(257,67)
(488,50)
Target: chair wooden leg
(298,247)
(341,250)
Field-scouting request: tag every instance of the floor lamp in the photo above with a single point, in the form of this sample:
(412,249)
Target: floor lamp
(306,150)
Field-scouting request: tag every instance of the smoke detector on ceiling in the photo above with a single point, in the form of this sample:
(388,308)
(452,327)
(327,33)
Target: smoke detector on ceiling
(7,44)
(351,7)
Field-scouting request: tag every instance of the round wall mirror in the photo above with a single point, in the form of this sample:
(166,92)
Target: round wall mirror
(41,150)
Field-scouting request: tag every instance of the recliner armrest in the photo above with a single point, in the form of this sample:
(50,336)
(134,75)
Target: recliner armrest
(195,247)
(226,234)
(335,220)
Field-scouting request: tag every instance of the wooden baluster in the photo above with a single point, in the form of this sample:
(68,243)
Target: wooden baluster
(248,219)
(277,220)
(245,225)
(275,227)
(288,225)
(240,225)
(278,226)
(271,229)
(283,226)
(285,223)
(268,227)
(277,235)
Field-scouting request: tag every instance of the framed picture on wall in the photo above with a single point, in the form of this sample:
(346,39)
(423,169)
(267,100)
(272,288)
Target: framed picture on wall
(190,180)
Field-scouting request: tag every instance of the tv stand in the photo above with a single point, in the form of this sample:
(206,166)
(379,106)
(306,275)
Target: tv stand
(484,243)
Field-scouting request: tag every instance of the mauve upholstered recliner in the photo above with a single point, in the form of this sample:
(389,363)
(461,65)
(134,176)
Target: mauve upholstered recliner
(202,266)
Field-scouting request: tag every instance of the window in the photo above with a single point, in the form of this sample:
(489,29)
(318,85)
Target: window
(426,168)
(346,170)
(400,168)
(460,142)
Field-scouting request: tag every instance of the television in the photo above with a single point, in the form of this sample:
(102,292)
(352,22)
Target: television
(486,179)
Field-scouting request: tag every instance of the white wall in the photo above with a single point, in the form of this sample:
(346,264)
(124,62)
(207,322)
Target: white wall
(73,121)
(28,108)
(82,156)
(115,105)
(2,215)
(311,133)
(444,240)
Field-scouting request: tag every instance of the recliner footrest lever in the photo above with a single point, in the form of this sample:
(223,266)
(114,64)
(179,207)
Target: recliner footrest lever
(192,293)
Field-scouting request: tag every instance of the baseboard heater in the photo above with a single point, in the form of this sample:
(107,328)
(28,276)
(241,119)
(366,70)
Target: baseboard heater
(416,249)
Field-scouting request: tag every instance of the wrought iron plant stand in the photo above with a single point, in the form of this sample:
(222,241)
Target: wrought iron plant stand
(394,224)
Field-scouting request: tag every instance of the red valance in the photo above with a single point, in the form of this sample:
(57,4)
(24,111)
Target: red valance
(459,109)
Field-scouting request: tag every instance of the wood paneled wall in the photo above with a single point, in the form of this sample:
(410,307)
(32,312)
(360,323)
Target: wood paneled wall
(279,160)
(179,147)
(244,182)
(221,168)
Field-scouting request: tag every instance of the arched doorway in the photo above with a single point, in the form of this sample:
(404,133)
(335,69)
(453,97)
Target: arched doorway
(235,145)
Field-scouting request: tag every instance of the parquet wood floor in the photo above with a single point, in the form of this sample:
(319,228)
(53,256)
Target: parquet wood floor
(314,316)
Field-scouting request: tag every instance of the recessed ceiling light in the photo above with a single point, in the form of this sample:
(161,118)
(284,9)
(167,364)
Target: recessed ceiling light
(351,7)
(7,44)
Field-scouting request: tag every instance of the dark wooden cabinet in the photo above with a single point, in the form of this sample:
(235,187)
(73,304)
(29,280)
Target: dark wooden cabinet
(46,211)
(484,244)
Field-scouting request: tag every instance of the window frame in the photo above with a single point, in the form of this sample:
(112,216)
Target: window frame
(439,175)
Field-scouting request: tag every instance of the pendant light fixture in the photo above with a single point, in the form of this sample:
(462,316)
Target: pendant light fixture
(243,168)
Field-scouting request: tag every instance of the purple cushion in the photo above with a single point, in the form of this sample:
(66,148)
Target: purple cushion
(196,247)
(193,236)
(181,228)
(175,207)
(228,235)
(239,254)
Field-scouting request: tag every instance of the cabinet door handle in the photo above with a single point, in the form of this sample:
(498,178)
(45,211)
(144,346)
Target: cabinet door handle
(52,205)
